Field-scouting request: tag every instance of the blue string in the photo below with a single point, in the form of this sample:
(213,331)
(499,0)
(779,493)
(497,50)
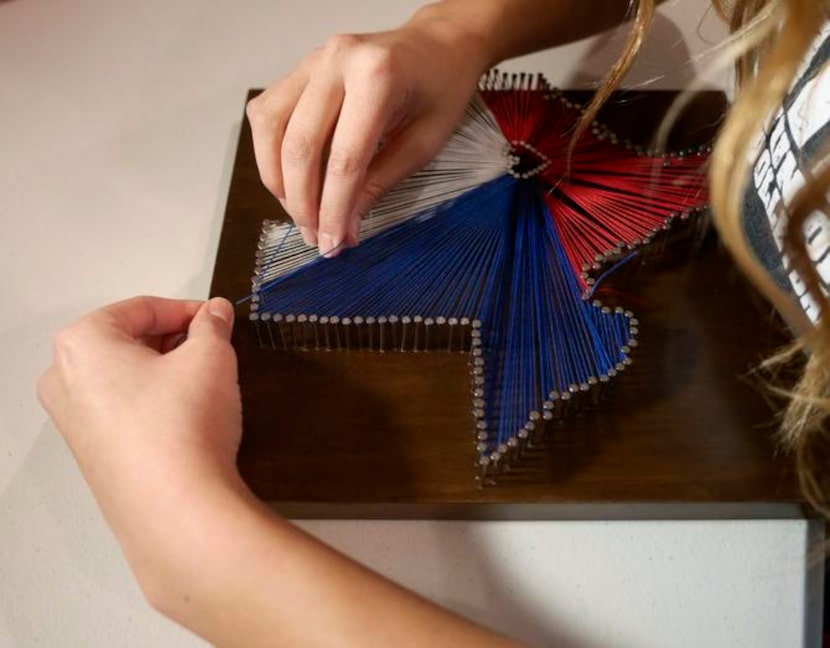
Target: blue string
(492,254)
(607,273)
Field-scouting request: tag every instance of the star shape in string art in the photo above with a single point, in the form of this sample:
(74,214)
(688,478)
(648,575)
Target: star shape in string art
(495,248)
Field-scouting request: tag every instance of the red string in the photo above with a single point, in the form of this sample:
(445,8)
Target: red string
(613,197)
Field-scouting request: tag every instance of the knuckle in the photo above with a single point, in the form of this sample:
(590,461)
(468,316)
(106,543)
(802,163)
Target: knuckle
(337,45)
(378,64)
(226,354)
(265,115)
(298,148)
(141,307)
(302,216)
(344,163)
(65,341)
(255,110)
(78,339)
(372,192)
(302,211)
(272,183)
(143,303)
(66,351)
(331,223)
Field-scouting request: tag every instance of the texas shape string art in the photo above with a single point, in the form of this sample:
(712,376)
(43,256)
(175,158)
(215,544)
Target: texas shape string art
(494,249)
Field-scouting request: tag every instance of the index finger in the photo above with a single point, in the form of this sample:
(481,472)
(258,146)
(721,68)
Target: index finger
(148,316)
(363,117)
(268,115)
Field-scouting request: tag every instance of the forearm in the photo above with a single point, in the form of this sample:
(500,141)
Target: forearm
(502,29)
(253,579)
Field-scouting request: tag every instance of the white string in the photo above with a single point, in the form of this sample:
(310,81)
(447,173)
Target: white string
(476,153)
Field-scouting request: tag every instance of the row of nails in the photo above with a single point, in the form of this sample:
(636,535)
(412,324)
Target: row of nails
(559,406)
(384,333)
(643,245)
(504,81)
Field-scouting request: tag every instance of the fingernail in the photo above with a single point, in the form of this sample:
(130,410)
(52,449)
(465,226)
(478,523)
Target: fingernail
(221,308)
(309,236)
(329,247)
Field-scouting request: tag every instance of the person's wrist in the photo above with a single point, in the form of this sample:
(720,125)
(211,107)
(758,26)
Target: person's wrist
(439,22)
(188,553)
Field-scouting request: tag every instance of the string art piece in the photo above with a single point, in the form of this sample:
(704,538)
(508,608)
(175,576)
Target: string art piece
(494,249)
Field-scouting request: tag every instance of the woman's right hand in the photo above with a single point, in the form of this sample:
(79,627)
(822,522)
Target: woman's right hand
(359,115)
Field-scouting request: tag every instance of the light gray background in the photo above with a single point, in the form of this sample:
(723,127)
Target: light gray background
(118,123)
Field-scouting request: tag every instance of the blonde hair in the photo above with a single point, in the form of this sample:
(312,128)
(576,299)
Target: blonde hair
(777,36)
(769,40)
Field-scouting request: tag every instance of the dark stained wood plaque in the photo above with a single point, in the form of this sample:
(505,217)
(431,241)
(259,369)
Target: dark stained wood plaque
(685,433)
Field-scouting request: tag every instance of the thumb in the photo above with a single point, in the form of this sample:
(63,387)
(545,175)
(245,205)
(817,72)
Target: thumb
(214,319)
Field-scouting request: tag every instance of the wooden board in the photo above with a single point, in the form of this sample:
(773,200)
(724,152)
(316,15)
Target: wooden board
(360,434)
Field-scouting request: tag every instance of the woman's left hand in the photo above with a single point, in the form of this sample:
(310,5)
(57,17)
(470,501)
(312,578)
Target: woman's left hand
(145,393)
